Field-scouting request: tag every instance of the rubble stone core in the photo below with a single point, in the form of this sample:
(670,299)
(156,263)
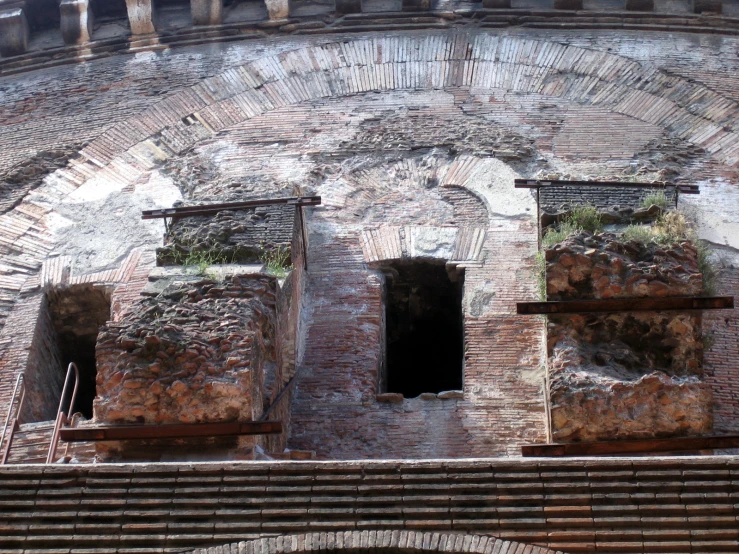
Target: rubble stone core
(625,375)
(196,352)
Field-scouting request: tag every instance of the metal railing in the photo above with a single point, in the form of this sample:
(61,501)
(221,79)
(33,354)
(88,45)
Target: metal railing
(61,415)
(20,384)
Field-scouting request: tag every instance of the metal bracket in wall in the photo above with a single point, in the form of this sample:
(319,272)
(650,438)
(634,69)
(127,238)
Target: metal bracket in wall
(640,446)
(211,209)
(626,305)
(178,431)
(538,184)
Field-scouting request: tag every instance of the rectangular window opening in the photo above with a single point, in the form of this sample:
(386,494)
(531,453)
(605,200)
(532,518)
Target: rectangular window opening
(77,313)
(424,338)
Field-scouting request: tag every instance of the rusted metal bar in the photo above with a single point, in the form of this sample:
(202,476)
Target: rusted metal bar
(61,415)
(543,183)
(640,446)
(283,392)
(303,237)
(6,451)
(211,209)
(19,385)
(178,431)
(626,305)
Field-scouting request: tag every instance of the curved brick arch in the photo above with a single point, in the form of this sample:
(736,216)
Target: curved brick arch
(477,61)
(351,542)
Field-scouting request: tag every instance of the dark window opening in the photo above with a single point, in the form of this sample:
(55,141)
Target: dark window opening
(424,333)
(42,14)
(109,9)
(77,314)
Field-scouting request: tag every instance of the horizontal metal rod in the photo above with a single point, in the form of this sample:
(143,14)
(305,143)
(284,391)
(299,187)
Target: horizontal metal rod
(535,184)
(626,305)
(210,209)
(178,431)
(677,444)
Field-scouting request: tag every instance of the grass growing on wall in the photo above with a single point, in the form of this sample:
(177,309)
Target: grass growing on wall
(655,199)
(582,218)
(277,261)
(541,275)
(586,218)
(672,228)
(201,259)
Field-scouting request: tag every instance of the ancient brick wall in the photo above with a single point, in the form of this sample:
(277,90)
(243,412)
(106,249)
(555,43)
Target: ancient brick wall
(44,373)
(390,129)
(376,541)
(604,198)
(720,357)
(681,504)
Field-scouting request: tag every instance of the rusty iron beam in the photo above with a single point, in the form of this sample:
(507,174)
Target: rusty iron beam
(639,446)
(178,431)
(626,305)
(211,209)
(537,184)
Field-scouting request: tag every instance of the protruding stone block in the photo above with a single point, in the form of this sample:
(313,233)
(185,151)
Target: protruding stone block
(13,32)
(567,4)
(76,21)
(705,6)
(278,9)
(348,6)
(496,4)
(141,16)
(640,5)
(416,5)
(206,12)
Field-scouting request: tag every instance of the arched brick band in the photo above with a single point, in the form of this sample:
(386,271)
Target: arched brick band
(478,61)
(365,542)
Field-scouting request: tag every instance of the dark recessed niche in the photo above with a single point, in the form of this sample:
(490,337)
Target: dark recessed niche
(42,14)
(77,313)
(109,9)
(424,333)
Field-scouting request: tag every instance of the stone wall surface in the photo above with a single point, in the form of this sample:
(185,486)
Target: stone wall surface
(332,114)
(624,200)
